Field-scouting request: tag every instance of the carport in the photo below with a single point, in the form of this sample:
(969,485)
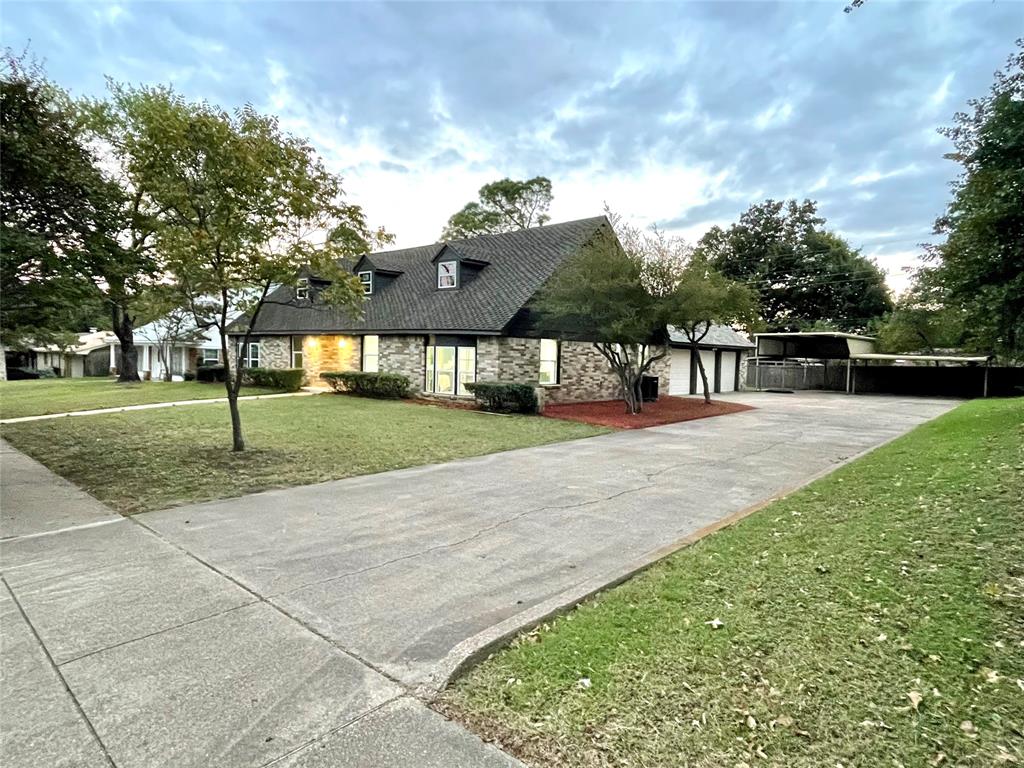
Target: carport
(919,374)
(801,360)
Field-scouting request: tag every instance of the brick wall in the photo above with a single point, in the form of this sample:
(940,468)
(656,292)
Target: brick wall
(404,355)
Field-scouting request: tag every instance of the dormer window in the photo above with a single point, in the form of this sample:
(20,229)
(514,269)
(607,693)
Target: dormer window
(447,274)
(366,278)
(302,288)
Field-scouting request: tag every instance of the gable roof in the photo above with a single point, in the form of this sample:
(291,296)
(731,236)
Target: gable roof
(509,269)
(718,336)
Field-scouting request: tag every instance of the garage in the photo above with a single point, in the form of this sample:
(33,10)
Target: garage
(721,352)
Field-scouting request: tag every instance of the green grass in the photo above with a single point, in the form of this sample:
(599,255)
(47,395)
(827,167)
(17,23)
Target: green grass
(42,396)
(875,618)
(144,460)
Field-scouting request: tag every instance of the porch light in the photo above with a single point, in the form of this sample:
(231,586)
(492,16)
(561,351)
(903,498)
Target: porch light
(342,343)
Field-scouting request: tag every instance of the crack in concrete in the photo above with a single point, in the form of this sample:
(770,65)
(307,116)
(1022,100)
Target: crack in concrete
(459,542)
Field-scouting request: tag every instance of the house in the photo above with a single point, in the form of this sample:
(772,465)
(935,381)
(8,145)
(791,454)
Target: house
(446,315)
(75,361)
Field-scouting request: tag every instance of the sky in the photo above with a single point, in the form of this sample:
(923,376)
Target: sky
(680,115)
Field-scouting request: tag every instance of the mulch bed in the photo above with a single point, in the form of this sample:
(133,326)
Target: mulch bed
(666,410)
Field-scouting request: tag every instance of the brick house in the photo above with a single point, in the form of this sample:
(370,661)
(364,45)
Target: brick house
(445,315)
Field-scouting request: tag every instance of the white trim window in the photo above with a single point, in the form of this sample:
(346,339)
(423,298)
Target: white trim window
(252,359)
(371,354)
(209,356)
(550,353)
(366,278)
(297,356)
(447,274)
(302,288)
(449,369)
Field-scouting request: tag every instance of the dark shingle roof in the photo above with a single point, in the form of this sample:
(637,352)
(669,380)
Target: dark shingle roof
(718,336)
(517,265)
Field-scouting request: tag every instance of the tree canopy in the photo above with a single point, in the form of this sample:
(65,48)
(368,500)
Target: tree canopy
(241,206)
(981,263)
(804,275)
(503,206)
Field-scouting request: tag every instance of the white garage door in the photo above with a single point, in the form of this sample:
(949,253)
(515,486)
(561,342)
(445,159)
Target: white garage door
(707,357)
(679,372)
(729,371)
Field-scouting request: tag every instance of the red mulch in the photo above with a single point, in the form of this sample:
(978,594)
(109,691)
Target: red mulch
(665,410)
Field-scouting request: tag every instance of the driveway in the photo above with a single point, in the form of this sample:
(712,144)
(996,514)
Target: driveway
(300,627)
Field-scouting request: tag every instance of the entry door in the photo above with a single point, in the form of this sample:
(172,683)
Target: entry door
(444,361)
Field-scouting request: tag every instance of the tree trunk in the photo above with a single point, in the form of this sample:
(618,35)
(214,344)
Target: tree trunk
(124,327)
(237,441)
(694,350)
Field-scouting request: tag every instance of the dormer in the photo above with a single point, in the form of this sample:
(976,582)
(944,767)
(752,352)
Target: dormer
(453,269)
(373,277)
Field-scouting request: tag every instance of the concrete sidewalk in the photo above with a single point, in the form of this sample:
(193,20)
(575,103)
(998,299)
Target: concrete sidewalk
(306,627)
(120,649)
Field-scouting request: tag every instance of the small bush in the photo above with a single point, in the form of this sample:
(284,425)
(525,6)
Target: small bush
(504,396)
(211,373)
(189,375)
(288,379)
(368,384)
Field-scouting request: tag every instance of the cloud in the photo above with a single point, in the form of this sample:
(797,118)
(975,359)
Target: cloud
(678,114)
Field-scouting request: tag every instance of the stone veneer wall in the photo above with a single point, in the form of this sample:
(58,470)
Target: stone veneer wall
(405,355)
(321,354)
(275,351)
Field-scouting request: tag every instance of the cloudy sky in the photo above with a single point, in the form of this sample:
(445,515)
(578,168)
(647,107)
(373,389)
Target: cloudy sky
(677,114)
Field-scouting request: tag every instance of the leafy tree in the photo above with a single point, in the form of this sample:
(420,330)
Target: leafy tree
(242,207)
(616,286)
(504,206)
(703,297)
(803,274)
(981,263)
(923,320)
(47,186)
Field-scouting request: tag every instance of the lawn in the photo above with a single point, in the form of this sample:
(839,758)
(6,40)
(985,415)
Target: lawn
(41,396)
(875,618)
(143,460)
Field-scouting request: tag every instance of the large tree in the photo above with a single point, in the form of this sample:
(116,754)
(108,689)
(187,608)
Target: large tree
(804,275)
(924,319)
(981,263)
(503,206)
(243,207)
(48,189)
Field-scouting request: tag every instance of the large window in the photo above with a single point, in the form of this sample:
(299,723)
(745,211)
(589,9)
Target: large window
(208,356)
(549,354)
(450,368)
(366,278)
(371,353)
(447,274)
(297,357)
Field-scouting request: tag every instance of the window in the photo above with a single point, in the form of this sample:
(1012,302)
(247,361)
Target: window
(297,351)
(450,369)
(208,356)
(549,358)
(366,278)
(302,289)
(371,353)
(251,360)
(447,274)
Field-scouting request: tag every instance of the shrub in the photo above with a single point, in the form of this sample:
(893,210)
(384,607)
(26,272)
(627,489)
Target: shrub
(210,373)
(288,379)
(504,396)
(368,384)
(189,375)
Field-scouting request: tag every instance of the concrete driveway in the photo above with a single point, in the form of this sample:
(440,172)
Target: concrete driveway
(301,627)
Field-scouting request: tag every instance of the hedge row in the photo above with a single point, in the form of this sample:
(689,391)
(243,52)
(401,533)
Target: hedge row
(288,379)
(504,396)
(368,384)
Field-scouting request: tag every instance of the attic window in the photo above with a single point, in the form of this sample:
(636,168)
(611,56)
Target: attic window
(447,274)
(302,288)
(366,278)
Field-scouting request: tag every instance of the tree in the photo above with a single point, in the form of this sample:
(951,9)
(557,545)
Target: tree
(803,274)
(923,320)
(617,287)
(504,206)
(242,206)
(47,189)
(981,263)
(703,297)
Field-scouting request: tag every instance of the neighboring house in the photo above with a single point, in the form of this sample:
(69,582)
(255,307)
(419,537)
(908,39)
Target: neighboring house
(445,315)
(74,362)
